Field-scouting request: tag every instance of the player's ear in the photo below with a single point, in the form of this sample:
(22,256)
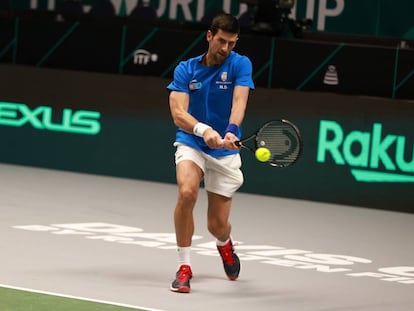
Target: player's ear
(209,35)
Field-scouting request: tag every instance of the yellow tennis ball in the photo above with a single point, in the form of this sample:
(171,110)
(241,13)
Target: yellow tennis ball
(263,154)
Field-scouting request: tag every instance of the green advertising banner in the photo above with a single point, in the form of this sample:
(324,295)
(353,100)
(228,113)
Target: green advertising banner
(357,150)
(391,18)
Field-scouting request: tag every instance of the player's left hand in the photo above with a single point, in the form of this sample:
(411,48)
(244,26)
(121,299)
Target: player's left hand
(229,141)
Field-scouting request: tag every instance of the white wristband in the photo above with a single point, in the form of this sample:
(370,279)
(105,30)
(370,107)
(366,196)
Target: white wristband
(200,128)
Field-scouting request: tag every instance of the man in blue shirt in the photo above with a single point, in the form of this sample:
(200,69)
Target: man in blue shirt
(208,98)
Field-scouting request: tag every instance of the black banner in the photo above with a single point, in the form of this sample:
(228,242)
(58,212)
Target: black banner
(126,46)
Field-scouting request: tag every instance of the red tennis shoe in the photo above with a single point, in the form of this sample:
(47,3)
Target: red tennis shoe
(181,284)
(231,261)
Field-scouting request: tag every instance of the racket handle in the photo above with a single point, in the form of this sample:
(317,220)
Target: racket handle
(238,143)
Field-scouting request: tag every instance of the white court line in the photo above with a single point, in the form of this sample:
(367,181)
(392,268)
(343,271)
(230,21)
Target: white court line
(78,298)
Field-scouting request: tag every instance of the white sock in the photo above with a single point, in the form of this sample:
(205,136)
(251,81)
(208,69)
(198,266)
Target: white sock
(221,243)
(184,256)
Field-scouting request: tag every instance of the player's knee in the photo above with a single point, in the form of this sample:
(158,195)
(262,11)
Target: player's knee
(188,196)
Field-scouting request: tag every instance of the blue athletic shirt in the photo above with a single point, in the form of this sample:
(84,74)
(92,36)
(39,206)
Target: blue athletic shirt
(211,95)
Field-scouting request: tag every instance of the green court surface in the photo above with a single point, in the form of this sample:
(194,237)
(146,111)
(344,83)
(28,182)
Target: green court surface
(12,299)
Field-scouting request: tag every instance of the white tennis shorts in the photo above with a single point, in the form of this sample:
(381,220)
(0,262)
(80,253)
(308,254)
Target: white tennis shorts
(221,175)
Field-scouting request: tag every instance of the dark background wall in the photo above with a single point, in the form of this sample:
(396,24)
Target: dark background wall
(129,46)
(136,134)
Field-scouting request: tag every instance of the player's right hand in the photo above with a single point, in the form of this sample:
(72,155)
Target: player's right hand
(213,139)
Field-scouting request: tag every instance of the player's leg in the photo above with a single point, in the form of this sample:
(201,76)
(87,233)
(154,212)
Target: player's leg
(220,227)
(218,216)
(222,179)
(189,175)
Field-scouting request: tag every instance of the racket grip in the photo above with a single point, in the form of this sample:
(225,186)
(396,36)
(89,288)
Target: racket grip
(238,143)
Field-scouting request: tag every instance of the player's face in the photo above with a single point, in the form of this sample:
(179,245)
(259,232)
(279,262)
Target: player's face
(220,45)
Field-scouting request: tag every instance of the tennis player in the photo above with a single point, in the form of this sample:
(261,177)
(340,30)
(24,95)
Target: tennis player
(208,98)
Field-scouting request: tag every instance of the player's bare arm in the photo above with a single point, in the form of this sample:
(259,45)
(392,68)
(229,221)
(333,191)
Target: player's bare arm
(240,98)
(179,102)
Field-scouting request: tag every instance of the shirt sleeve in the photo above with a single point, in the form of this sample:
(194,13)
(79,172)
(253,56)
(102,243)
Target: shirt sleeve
(244,70)
(180,80)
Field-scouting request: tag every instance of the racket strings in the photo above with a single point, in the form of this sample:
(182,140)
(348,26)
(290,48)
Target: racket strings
(283,142)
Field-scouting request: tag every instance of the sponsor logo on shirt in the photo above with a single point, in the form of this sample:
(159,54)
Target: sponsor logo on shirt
(194,85)
(223,84)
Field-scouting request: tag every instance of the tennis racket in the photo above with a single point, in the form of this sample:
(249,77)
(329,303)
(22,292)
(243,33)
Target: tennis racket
(281,137)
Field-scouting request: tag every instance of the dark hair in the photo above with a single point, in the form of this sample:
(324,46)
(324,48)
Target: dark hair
(226,22)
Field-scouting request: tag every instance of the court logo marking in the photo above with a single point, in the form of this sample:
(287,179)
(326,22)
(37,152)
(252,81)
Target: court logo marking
(266,254)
